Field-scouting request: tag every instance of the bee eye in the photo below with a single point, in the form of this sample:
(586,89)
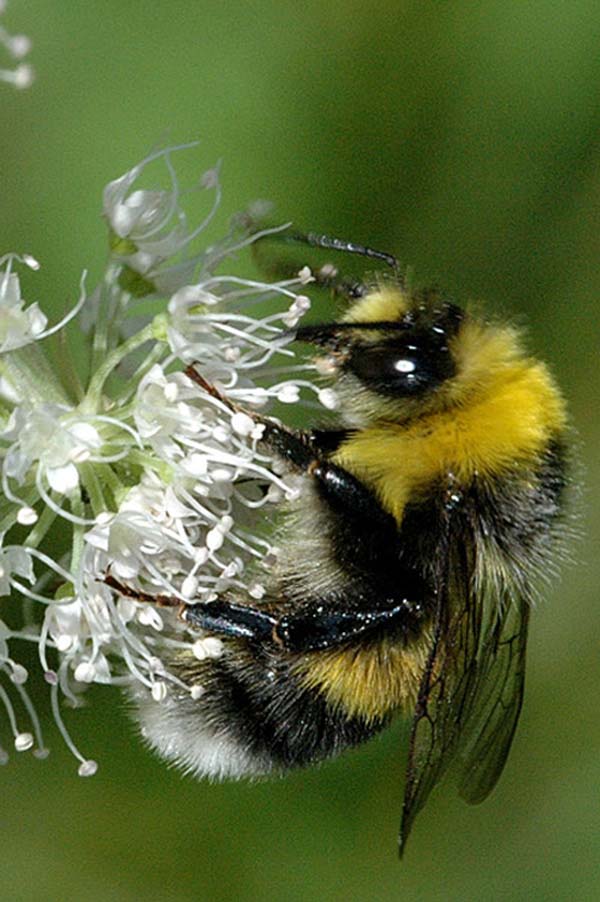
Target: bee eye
(401,369)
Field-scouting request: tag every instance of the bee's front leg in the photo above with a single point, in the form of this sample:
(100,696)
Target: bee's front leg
(308,452)
(369,534)
(292,445)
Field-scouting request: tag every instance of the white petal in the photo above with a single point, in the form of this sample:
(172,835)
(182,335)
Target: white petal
(10,290)
(159,691)
(214,539)
(63,479)
(195,464)
(126,609)
(37,320)
(328,398)
(86,433)
(189,586)
(242,423)
(85,672)
(23,742)
(150,617)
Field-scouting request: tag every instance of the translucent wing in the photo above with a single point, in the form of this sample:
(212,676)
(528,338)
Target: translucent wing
(471,692)
(498,705)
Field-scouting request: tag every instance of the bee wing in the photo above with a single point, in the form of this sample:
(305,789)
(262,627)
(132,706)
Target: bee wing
(500,697)
(470,695)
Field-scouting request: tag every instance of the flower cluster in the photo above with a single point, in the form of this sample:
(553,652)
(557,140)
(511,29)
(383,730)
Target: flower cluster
(157,483)
(17,46)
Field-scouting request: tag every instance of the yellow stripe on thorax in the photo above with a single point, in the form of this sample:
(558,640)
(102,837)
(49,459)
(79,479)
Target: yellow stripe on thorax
(509,425)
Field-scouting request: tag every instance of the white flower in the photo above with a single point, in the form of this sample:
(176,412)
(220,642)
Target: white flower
(160,411)
(17,46)
(14,561)
(152,478)
(54,439)
(18,325)
(149,225)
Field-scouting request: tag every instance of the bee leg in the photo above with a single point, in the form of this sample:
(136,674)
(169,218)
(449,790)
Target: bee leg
(163,601)
(317,626)
(345,494)
(230,619)
(307,452)
(294,446)
(192,373)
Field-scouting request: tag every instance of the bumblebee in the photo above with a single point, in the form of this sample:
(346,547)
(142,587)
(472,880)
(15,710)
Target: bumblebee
(409,559)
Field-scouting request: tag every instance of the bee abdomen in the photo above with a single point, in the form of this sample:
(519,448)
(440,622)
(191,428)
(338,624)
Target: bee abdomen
(253,717)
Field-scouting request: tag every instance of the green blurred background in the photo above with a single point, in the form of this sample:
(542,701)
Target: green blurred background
(463,136)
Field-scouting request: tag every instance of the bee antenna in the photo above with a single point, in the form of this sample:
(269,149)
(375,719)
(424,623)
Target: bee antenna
(329,242)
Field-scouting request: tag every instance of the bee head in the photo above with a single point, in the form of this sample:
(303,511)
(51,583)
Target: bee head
(391,354)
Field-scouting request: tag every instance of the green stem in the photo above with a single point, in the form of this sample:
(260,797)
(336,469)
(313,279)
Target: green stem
(27,369)
(78,508)
(91,402)
(39,530)
(93,486)
(100,333)
(65,366)
(147,462)
(109,481)
(107,309)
